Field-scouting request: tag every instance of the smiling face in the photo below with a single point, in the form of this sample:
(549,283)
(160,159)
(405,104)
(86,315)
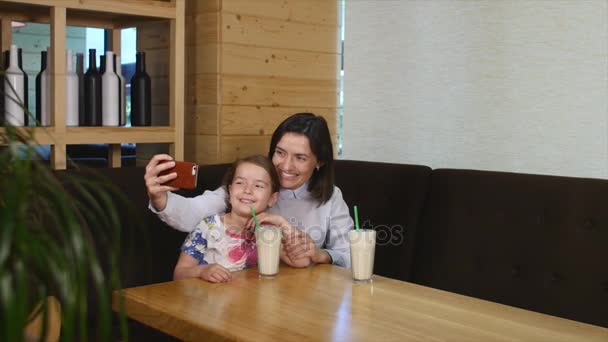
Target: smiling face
(294,160)
(251,187)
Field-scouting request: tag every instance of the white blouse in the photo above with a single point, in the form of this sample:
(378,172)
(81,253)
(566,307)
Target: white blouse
(327,224)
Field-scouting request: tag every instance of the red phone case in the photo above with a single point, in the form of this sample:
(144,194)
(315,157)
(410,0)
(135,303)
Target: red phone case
(187,174)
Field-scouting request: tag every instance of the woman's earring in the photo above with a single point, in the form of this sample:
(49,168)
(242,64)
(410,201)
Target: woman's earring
(318,167)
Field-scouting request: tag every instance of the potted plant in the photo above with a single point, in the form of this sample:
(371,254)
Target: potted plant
(59,236)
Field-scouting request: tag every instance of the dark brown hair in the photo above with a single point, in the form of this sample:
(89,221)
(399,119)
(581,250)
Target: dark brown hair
(314,127)
(258,160)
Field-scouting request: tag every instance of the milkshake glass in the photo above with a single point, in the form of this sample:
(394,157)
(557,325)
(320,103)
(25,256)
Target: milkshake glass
(362,250)
(268,243)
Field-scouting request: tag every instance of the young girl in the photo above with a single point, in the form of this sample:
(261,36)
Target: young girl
(221,244)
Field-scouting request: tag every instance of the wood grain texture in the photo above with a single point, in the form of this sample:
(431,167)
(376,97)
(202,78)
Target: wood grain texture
(321,12)
(203,89)
(203,28)
(235,147)
(322,303)
(202,6)
(202,59)
(177,79)
(259,61)
(271,91)
(262,120)
(268,32)
(155,35)
(202,119)
(202,149)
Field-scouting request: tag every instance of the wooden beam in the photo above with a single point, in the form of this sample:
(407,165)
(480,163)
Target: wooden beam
(58,22)
(6,34)
(176,79)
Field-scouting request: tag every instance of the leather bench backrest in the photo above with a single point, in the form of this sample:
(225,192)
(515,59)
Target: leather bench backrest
(389,198)
(531,241)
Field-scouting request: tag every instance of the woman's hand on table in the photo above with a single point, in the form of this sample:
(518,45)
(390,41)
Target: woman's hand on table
(299,245)
(156,191)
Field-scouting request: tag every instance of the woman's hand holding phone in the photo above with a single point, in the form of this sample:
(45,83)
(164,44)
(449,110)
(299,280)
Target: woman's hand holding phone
(157,191)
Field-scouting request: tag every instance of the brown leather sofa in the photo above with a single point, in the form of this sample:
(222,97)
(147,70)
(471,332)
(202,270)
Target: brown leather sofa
(531,241)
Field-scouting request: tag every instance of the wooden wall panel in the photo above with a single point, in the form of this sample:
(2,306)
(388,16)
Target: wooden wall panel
(323,12)
(203,149)
(152,38)
(260,61)
(160,93)
(202,119)
(282,34)
(250,64)
(156,62)
(268,91)
(153,35)
(202,89)
(202,28)
(202,6)
(258,120)
(232,148)
(203,59)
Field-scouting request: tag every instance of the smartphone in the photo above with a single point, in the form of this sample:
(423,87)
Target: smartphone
(187,174)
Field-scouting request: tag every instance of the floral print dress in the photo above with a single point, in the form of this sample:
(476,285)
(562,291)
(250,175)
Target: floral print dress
(212,243)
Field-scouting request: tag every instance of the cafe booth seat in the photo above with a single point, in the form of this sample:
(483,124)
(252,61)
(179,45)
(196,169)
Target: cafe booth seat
(531,241)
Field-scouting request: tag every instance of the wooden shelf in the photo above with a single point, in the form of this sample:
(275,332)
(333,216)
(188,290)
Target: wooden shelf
(102,135)
(113,15)
(91,13)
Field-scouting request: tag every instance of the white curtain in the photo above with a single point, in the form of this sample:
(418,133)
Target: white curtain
(513,85)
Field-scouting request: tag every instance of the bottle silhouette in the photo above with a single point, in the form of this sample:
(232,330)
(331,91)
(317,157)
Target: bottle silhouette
(92,93)
(102,64)
(26,94)
(111,97)
(80,75)
(121,91)
(141,102)
(13,90)
(39,88)
(71,91)
(45,92)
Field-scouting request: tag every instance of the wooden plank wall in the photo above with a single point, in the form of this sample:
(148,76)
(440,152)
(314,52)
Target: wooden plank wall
(153,39)
(249,64)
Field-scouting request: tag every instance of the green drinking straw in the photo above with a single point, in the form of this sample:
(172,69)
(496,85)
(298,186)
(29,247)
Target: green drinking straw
(356,218)
(255,219)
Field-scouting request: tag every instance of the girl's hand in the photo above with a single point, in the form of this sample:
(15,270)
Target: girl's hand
(215,273)
(271,220)
(156,191)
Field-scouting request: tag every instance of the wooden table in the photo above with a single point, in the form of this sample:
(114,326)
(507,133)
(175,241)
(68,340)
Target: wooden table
(321,303)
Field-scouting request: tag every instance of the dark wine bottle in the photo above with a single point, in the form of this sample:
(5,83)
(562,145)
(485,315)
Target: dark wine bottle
(80,73)
(120,94)
(39,87)
(141,101)
(92,93)
(26,102)
(102,64)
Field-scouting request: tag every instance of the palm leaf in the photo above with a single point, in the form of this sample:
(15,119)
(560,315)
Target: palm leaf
(53,230)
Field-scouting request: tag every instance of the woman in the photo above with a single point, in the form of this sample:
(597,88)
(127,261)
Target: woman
(301,151)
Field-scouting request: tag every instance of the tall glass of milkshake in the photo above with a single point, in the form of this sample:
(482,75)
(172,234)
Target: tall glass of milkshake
(362,250)
(268,243)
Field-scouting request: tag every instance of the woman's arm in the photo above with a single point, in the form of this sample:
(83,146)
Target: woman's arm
(340,223)
(184,214)
(177,211)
